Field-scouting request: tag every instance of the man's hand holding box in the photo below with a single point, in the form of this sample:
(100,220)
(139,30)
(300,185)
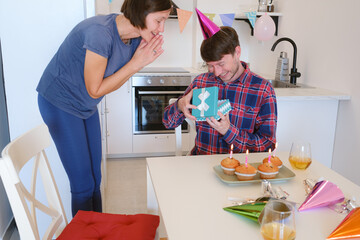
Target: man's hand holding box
(208,105)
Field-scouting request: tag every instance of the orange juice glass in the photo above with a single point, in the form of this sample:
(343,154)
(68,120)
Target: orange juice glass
(278,221)
(300,155)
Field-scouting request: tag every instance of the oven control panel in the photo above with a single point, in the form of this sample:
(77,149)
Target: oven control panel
(143,81)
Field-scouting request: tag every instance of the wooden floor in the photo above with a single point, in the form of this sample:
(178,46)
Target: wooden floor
(126,191)
(126,186)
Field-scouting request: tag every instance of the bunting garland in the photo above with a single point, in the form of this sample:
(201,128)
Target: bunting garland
(252,17)
(184,16)
(210,16)
(227,19)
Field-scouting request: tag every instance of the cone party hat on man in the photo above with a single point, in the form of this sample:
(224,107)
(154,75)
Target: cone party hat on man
(208,28)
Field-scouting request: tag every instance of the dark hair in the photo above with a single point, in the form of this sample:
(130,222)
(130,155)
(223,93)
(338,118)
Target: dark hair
(221,43)
(137,10)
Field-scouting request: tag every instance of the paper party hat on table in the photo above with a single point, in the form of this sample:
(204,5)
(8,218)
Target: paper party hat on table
(349,227)
(208,28)
(251,211)
(324,193)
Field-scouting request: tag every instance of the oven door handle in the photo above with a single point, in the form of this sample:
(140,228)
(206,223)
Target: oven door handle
(160,92)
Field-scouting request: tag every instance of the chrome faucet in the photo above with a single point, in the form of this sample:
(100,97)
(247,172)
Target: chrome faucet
(294,73)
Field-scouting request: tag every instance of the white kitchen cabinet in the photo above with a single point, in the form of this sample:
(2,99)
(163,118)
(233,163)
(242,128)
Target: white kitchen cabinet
(119,120)
(160,143)
(310,120)
(309,114)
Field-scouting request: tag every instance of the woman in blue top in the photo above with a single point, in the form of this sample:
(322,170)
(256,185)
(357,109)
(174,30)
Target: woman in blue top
(97,57)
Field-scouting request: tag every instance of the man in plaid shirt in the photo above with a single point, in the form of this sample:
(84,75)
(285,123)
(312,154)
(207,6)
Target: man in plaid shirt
(251,124)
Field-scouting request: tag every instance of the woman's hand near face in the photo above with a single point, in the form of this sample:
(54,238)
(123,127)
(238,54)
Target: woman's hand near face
(147,52)
(95,65)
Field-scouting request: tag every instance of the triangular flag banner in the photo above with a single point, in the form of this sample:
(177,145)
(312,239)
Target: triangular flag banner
(252,17)
(227,19)
(349,227)
(210,16)
(183,17)
(110,1)
(323,194)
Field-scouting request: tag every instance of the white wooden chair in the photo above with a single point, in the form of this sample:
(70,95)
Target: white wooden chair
(30,149)
(30,146)
(178,143)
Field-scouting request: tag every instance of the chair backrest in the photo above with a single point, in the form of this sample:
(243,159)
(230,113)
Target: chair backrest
(178,141)
(29,148)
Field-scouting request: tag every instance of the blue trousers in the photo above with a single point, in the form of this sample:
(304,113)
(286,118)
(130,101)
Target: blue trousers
(78,142)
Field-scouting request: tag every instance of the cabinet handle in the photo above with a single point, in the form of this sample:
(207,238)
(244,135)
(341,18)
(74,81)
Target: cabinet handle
(160,92)
(161,137)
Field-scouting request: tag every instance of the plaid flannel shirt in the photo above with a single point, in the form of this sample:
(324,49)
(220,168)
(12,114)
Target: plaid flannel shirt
(253,117)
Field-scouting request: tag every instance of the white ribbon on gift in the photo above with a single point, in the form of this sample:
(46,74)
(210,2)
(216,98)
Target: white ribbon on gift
(203,106)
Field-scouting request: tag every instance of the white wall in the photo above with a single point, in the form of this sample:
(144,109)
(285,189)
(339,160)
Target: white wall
(31,32)
(327,34)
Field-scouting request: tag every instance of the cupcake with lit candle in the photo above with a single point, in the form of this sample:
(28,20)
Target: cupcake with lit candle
(228,165)
(245,172)
(268,170)
(274,160)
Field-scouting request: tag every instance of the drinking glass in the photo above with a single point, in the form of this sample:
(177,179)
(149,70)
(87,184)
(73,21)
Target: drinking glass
(262,6)
(278,221)
(300,155)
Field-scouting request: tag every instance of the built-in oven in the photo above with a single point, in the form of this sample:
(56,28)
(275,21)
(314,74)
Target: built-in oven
(151,94)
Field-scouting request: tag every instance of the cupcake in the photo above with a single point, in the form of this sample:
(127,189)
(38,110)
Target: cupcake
(268,170)
(245,172)
(275,160)
(229,164)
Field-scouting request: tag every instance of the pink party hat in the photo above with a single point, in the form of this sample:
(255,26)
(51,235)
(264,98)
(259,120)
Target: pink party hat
(207,26)
(324,193)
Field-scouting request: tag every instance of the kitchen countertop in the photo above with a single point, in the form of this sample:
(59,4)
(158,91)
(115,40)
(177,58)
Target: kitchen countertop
(287,94)
(309,94)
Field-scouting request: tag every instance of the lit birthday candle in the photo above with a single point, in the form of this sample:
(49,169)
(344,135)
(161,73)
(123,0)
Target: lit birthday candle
(231,150)
(246,157)
(269,155)
(276,144)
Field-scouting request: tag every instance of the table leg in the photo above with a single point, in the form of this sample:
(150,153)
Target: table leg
(153,207)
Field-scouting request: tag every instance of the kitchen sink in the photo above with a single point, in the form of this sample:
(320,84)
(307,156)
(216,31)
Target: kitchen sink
(281,84)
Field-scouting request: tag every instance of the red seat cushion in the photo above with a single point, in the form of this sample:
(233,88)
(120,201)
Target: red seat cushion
(93,225)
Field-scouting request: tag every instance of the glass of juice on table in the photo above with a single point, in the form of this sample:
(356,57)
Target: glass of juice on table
(300,155)
(278,221)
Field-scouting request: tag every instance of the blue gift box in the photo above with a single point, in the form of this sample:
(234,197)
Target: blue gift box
(208,105)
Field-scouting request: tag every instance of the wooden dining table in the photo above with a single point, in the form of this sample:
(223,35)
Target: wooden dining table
(189,195)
